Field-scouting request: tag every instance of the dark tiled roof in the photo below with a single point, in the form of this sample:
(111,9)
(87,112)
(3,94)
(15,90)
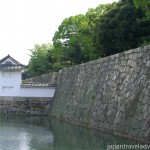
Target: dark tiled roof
(12,67)
(26,85)
(9,66)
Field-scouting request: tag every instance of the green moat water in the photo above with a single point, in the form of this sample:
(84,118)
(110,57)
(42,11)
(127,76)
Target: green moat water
(37,133)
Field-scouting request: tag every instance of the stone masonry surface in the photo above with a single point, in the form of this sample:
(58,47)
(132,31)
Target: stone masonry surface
(45,78)
(25,106)
(111,94)
(29,105)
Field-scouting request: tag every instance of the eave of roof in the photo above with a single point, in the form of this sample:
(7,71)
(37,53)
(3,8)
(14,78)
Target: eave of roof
(15,61)
(37,85)
(12,67)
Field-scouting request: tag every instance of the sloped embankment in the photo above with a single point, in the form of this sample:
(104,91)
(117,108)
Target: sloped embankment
(110,94)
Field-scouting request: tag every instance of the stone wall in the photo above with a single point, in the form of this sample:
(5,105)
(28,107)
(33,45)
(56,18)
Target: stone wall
(45,78)
(25,106)
(110,94)
(31,106)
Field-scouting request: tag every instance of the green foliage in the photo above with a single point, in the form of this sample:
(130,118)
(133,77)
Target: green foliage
(70,40)
(24,81)
(60,65)
(41,59)
(102,31)
(26,74)
(60,116)
(93,97)
(121,29)
(145,31)
(75,39)
(144,5)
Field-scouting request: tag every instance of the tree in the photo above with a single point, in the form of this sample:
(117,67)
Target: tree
(75,39)
(144,5)
(120,29)
(102,31)
(72,41)
(41,59)
(93,15)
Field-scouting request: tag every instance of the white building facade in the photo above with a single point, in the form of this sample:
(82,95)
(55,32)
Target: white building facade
(10,81)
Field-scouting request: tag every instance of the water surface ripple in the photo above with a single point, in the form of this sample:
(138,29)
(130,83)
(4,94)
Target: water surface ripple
(37,133)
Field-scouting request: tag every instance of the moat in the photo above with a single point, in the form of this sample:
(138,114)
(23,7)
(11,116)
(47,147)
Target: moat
(36,133)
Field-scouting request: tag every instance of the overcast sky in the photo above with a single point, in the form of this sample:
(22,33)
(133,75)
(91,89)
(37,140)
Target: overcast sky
(24,23)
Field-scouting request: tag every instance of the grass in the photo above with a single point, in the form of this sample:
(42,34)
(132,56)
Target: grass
(60,116)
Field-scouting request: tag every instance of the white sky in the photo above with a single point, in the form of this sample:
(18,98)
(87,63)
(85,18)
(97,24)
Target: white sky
(24,23)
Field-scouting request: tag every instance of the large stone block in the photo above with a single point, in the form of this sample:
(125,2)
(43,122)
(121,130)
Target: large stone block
(112,93)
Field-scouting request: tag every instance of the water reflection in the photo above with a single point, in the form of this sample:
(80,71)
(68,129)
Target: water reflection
(24,134)
(73,137)
(37,133)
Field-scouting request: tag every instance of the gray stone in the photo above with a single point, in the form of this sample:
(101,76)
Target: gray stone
(25,107)
(112,93)
(113,86)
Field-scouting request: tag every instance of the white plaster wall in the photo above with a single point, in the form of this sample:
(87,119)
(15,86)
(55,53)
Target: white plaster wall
(37,92)
(10,86)
(11,83)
